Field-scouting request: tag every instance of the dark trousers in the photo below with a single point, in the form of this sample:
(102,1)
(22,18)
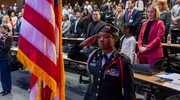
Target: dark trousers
(5,70)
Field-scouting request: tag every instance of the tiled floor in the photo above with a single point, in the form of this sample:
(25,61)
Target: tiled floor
(73,91)
(16,94)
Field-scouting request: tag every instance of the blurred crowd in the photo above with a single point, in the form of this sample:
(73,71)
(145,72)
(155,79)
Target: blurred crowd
(12,17)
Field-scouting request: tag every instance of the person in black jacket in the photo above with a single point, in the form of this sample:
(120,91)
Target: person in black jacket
(109,69)
(94,26)
(5,60)
(133,16)
(79,27)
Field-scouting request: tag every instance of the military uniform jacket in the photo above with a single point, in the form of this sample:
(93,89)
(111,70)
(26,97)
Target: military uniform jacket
(106,83)
(5,53)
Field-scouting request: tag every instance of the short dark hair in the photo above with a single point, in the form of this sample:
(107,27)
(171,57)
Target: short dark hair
(133,1)
(74,10)
(78,12)
(97,11)
(128,25)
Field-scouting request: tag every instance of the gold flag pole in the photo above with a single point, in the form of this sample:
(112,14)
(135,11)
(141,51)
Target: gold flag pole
(40,90)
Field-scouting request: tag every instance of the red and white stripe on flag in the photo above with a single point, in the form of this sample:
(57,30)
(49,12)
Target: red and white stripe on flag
(40,46)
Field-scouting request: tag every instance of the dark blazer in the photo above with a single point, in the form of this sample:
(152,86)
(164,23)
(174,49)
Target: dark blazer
(95,31)
(103,84)
(166,18)
(5,53)
(105,7)
(18,25)
(81,27)
(103,18)
(136,16)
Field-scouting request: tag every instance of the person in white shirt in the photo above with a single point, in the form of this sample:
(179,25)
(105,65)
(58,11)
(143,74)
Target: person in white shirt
(128,42)
(13,19)
(139,5)
(66,10)
(89,7)
(66,25)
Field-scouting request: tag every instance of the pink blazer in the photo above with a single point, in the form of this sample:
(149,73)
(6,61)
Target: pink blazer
(156,34)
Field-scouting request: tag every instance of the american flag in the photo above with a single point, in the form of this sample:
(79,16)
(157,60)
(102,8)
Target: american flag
(40,47)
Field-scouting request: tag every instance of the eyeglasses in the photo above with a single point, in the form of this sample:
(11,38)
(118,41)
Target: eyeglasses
(95,14)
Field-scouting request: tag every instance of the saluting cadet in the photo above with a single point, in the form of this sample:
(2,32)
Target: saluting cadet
(5,60)
(109,69)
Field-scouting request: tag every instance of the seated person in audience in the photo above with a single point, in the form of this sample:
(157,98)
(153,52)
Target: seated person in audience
(6,21)
(128,42)
(109,14)
(86,16)
(66,25)
(165,16)
(151,35)
(175,17)
(109,70)
(79,27)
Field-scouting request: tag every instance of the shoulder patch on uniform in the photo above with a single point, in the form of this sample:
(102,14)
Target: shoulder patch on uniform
(125,56)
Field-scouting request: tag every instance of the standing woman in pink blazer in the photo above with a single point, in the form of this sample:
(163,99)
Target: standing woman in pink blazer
(149,41)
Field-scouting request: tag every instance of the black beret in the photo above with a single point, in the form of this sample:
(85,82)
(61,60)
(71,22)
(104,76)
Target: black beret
(6,27)
(110,29)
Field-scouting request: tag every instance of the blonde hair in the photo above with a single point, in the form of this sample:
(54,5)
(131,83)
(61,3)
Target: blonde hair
(7,17)
(164,3)
(156,10)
